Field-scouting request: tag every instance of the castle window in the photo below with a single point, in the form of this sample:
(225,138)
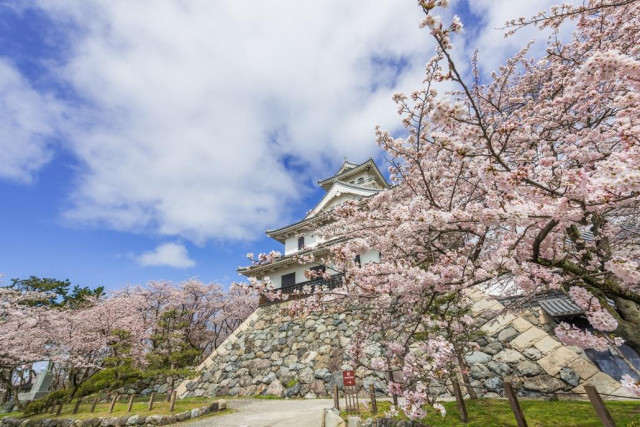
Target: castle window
(357,261)
(288,279)
(300,243)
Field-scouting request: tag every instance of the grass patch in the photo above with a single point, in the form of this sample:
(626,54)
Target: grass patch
(538,413)
(140,405)
(263,396)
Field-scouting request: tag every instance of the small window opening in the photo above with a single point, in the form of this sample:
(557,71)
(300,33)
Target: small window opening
(288,279)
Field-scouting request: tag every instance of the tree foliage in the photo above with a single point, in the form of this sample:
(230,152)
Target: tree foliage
(529,179)
(98,340)
(56,293)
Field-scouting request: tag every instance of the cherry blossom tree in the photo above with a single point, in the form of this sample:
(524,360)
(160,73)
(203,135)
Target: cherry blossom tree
(530,177)
(162,325)
(23,338)
(203,312)
(189,319)
(83,339)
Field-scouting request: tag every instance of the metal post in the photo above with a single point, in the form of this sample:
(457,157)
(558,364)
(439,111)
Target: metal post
(336,398)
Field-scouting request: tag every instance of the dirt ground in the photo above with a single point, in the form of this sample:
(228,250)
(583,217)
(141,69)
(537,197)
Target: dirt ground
(269,413)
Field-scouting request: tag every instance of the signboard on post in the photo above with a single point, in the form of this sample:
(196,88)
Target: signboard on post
(350,391)
(348,378)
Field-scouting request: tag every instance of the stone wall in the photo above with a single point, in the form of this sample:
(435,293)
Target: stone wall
(272,353)
(127,420)
(522,349)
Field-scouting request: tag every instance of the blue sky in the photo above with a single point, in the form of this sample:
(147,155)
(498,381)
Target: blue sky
(144,140)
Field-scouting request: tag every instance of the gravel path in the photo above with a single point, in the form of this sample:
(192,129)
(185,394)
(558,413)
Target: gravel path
(269,413)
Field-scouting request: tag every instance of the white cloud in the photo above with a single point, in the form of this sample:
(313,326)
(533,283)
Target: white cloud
(27,121)
(190,108)
(166,255)
(493,47)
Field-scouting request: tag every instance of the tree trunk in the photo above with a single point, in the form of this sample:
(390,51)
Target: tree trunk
(465,376)
(75,385)
(628,322)
(15,391)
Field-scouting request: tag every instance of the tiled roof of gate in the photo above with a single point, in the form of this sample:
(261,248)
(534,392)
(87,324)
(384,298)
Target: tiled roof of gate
(560,306)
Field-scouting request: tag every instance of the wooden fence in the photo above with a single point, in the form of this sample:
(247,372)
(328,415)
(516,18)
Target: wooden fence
(55,406)
(592,393)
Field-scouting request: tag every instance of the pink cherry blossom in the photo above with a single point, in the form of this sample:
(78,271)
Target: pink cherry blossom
(528,178)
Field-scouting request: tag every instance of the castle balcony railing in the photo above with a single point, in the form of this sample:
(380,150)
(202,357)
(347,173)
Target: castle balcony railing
(303,289)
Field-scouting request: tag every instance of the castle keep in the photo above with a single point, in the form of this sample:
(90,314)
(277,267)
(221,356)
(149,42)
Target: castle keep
(273,353)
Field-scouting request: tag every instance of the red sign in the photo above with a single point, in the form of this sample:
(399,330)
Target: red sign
(348,378)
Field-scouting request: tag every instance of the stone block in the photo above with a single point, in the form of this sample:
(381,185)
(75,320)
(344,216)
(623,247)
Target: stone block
(475,295)
(355,422)
(479,371)
(521,324)
(558,359)
(527,368)
(493,348)
(477,357)
(543,383)
(275,389)
(501,369)
(570,376)
(584,368)
(308,357)
(528,338)
(489,304)
(547,345)
(625,392)
(494,326)
(508,356)
(183,416)
(332,418)
(493,383)
(317,387)
(532,353)
(603,383)
(133,420)
(507,334)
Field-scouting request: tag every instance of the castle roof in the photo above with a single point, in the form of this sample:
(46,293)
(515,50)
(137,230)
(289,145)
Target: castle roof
(348,169)
(319,250)
(336,186)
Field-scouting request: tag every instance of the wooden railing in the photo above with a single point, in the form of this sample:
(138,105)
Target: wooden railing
(304,289)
